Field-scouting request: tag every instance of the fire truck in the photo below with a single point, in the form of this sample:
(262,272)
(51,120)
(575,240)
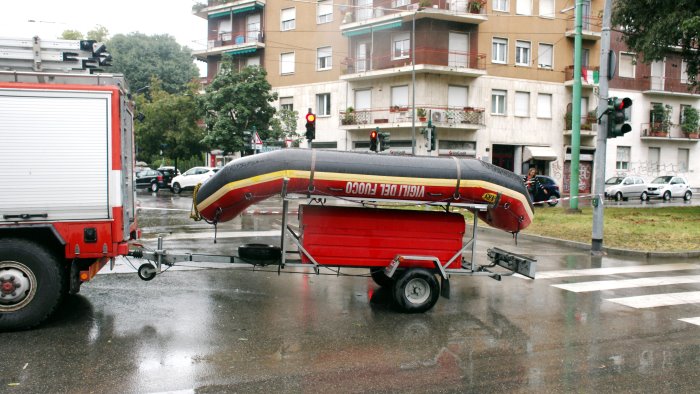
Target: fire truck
(66,173)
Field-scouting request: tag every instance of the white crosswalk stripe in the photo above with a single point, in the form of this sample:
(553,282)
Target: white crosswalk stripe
(616,270)
(692,320)
(628,283)
(656,300)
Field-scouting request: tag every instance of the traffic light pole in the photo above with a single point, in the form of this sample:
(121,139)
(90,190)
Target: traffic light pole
(602,135)
(576,112)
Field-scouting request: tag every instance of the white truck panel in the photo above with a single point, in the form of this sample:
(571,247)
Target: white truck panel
(55,154)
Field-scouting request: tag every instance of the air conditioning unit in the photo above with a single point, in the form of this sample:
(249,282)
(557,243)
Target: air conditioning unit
(438,116)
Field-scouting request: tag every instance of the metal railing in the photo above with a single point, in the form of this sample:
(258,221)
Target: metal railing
(424,56)
(396,114)
(235,38)
(389,7)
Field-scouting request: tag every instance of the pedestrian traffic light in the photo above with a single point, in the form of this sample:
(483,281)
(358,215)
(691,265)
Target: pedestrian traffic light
(384,140)
(247,138)
(373,140)
(432,138)
(310,126)
(617,117)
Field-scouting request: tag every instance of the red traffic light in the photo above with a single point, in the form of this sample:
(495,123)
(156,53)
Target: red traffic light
(622,104)
(373,134)
(310,117)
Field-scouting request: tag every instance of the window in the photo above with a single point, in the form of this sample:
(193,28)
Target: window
(653,158)
(684,71)
(324,12)
(522,104)
(457,96)
(323,104)
(626,68)
(287,103)
(289,16)
(622,161)
(253,61)
(585,56)
(683,156)
(681,120)
(499,50)
(402,46)
(545,56)
(547,8)
(522,53)
(400,3)
(523,7)
(324,58)
(498,102)
(399,96)
(500,5)
(225,29)
(287,63)
(544,105)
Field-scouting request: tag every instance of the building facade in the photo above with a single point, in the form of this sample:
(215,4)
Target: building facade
(495,77)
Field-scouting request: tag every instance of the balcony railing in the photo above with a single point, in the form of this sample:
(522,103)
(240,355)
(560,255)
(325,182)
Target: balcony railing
(404,115)
(590,27)
(389,7)
(589,75)
(664,130)
(235,38)
(424,56)
(589,124)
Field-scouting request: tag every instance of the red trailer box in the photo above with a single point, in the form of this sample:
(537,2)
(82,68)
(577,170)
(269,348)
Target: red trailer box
(367,237)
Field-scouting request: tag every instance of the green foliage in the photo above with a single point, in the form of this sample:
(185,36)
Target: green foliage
(284,125)
(99,34)
(140,57)
(169,124)
(652,26)
(71,35)
(236,101)
(691,120)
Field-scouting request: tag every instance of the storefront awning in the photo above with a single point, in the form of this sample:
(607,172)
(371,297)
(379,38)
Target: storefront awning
(539,153)
(241,51)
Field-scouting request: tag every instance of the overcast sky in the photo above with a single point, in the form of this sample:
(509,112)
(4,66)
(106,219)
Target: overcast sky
(52,17)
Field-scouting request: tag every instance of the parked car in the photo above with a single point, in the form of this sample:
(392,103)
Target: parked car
(150,179)
(190,178)
(623,187)
(169,172)
(668,187)
(550,185)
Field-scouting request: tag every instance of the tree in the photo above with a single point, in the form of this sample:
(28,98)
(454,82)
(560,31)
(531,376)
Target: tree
(237,101)
(169,124)
(71,35)
(651,27)
(140,57)
(284,125)
(99,34)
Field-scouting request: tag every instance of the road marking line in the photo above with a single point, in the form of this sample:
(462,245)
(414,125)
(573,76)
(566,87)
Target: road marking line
(627,283)
(656,300)
(616,270)
(691,320)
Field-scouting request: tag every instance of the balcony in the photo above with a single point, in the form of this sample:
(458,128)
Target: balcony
(662,86)
(589,124)
(217,8)
(232,43)
(467,118)
(659,131)
(386,13)
(428,60)
(590,28)
(589,77)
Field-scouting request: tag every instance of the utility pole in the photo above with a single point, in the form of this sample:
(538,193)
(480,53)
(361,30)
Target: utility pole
(576,112)
(602,135)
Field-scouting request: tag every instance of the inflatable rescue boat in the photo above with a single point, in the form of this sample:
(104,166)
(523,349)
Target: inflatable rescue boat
(367,177)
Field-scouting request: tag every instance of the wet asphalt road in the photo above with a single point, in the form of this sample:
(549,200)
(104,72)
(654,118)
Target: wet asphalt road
(220,330)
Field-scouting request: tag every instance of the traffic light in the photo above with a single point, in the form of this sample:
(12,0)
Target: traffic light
(432,138)
(247,138)
(384,140)
(617,117)
(373,140)
(310,126)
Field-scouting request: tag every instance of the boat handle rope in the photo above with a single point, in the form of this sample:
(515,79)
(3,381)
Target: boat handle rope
(456,194)
(312,188)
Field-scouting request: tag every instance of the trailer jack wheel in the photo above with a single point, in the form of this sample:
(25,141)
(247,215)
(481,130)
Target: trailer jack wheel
(417,290)
(147,271)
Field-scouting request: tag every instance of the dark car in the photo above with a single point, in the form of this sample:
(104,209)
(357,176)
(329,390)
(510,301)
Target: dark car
(150,179)
(169,173)
(550,185)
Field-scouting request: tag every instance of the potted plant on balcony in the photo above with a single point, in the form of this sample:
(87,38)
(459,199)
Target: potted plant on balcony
(348,116)
(422,114)
(475,6)
(691,121)
(660,120)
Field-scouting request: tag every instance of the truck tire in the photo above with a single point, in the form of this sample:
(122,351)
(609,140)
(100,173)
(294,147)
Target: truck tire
(32,284)
(417,290)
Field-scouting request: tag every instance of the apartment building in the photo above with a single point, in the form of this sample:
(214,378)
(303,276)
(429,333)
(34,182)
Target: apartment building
(495,77)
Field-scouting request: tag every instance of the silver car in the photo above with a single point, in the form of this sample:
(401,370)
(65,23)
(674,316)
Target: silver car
(623,187)
(668,187)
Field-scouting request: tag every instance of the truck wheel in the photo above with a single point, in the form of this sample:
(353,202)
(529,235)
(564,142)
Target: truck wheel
(417,290)
(176,188)
(380,278)
(154,187)
(31,284)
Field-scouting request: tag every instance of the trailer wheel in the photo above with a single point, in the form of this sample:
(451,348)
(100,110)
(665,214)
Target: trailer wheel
(380,278)
(260,253)
(417,290)
(31,284)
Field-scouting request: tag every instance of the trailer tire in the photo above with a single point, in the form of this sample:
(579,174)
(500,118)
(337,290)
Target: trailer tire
(260,253)
(39,284)
(417,290)
(380,278)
